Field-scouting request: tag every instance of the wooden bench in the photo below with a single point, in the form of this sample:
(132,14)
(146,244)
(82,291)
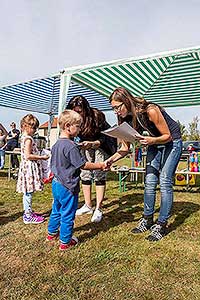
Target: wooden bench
(124,173)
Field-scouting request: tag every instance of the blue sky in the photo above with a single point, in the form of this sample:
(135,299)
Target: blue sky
(41,37)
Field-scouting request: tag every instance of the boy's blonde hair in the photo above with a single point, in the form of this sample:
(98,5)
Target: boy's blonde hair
(69,116)
(30,120)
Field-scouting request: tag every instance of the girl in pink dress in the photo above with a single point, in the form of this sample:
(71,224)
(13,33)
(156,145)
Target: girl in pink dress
(30,171)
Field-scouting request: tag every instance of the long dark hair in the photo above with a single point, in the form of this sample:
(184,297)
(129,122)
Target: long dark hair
(121,94)
(92,117)
(131,102)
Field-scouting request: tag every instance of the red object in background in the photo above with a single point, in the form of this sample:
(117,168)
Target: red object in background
(49,179)
(190,148)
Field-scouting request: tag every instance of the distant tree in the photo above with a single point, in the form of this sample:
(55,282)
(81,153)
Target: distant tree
(193,131)
(184,132)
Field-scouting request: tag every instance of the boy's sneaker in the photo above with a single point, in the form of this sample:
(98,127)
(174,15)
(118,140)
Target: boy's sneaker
(72,243)
(97,216)
(143,225)
(158,231)
(52,237)
(84,210)
(33,219)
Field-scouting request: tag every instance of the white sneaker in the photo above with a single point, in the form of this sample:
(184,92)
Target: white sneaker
(97,216)
(84,210)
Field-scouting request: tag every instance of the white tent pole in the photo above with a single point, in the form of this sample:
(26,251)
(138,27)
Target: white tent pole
(50,121)
(51,117)
(65,80)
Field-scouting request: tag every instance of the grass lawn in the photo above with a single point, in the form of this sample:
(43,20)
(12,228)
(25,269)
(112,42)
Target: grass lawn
(110,262)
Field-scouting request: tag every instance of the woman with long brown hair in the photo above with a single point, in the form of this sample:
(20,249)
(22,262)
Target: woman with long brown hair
(163,154)
(94,147)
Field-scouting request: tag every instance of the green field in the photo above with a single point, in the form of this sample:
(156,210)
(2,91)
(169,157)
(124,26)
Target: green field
(110,262)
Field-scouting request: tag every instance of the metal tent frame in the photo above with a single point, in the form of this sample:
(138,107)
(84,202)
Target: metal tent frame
(170,79)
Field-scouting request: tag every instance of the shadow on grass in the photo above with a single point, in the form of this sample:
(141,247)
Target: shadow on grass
(3,173)
(11,218)
(127,206)
(182,210)
(6,219)
(123,213)
(46,213)
(191,189)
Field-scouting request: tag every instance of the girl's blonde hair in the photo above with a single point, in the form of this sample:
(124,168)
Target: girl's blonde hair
(30,120)
(69,117)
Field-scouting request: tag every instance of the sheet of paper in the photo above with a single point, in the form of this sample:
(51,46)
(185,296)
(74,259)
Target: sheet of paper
(124,132)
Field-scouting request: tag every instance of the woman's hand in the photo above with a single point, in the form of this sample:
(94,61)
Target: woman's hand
(151,140)
(104,166)
(108,164)
(90,145)
(148,140)
(86,145)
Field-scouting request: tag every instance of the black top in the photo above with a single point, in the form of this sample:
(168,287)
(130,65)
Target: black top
(14,140)
(107,143)
(143,123)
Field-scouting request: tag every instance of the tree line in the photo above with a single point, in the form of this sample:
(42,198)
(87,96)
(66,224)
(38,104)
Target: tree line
(192,133)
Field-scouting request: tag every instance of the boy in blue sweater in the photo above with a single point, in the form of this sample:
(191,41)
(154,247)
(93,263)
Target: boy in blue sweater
(66,162)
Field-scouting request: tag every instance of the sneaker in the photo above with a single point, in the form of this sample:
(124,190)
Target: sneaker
(157,232)
(97,216)
(143,225)
(72,243)
(84,210)
(35,214)
(33,219)
(52,237)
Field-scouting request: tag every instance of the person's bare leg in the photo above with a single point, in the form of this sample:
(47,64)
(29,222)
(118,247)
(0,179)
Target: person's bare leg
(98,214)
(100,193)
(87,192)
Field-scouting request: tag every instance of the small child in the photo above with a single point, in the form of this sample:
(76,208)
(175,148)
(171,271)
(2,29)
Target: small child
(66,163)
(30,172)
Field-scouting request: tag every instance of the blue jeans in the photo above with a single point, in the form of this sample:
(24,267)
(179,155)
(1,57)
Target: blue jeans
(161,164)
(63,212)
(2,158)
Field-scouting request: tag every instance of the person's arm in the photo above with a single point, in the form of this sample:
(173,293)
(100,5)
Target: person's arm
(94,166)
(4,146)
(9,137)
(122,152)
(4,141)
(28,150)
(156,117)
(90,144)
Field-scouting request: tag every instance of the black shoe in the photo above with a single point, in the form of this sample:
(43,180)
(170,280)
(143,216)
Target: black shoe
(143,225)
(158,231)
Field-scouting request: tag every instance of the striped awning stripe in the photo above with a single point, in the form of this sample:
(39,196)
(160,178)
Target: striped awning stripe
(37,95)
(170,80)
(42,95)
(137,77)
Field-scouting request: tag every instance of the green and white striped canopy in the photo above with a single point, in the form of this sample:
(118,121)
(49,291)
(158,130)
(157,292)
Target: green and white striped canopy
(170,79)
